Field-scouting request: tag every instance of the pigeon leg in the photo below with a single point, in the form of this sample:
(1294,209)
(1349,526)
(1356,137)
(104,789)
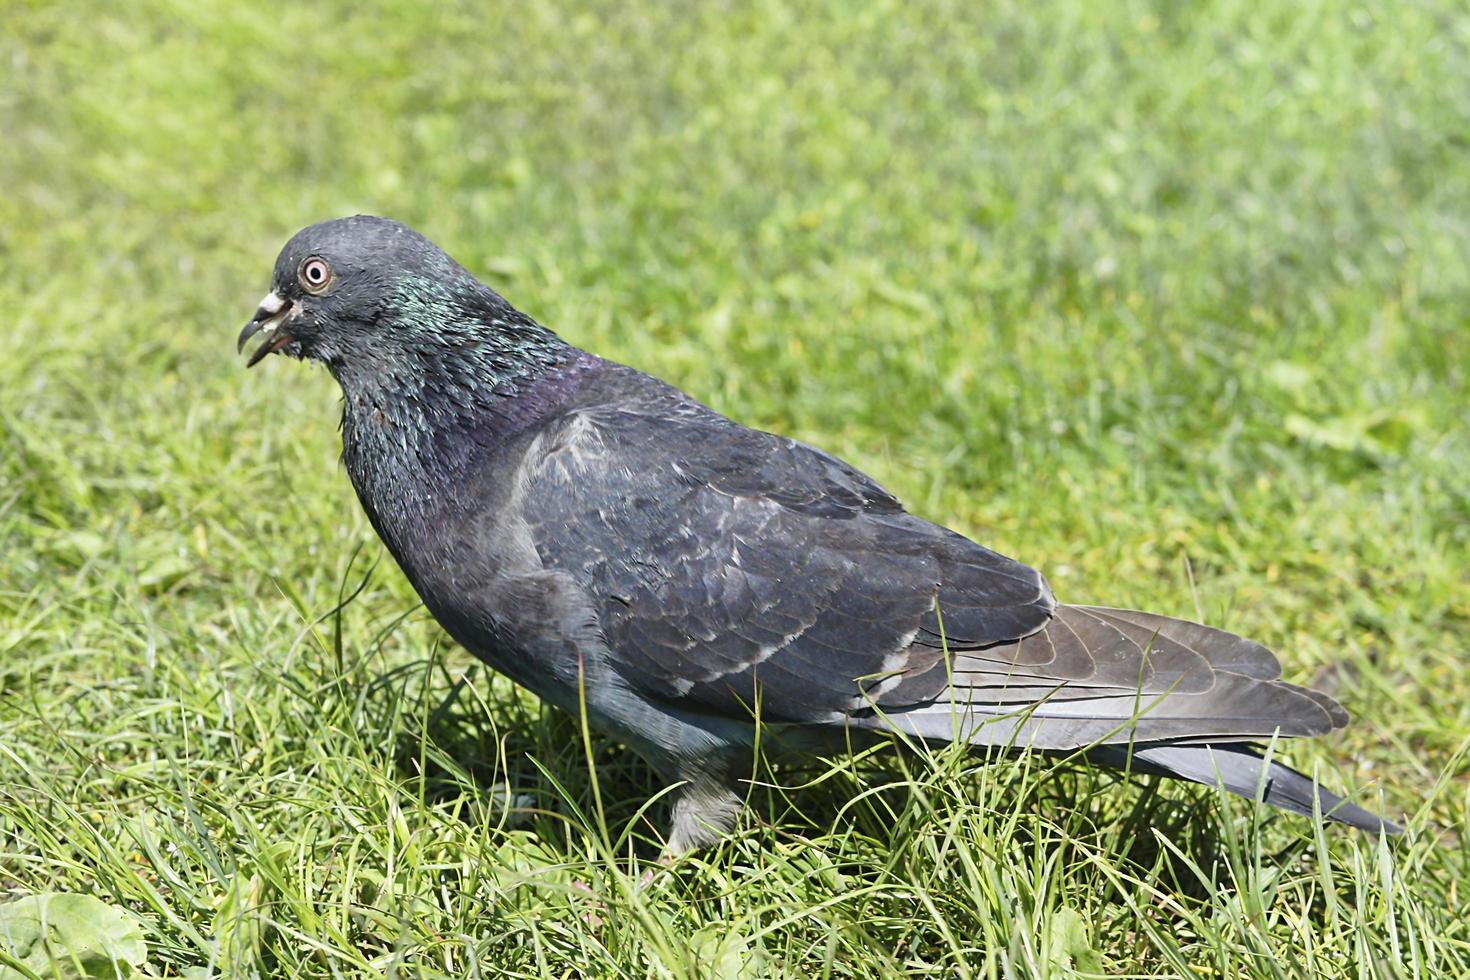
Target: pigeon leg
(703,811)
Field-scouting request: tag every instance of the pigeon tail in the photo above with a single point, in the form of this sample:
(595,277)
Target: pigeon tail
(1243,770)
(1129,688)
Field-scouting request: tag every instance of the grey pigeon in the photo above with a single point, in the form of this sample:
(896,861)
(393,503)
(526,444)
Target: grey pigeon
(587,529)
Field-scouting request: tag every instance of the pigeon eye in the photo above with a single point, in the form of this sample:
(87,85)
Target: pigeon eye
(315,274)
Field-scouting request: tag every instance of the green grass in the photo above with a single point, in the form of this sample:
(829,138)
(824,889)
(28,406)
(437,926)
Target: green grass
(1169,300)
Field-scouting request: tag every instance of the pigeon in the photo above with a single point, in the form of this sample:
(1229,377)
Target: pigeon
(698,587)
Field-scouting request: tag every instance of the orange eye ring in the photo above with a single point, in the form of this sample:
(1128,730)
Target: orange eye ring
(315,274)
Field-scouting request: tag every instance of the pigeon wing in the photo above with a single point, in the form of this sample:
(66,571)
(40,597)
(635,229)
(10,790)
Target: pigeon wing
(731,568)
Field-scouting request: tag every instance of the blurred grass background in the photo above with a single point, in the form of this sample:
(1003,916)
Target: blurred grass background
(1169,300)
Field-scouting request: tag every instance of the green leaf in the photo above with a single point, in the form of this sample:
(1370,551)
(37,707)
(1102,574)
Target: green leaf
(238,927)
(724,954)
(1068,946)
(69,937)
(1375,435)
(164,572)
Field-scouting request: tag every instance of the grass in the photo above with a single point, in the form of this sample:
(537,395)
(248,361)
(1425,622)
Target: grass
(1168,300)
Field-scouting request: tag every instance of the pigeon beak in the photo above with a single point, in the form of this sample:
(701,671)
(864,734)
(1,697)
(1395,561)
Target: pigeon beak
(267,321)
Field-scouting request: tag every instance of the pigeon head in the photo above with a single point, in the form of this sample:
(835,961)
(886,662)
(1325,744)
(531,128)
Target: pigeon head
(373,299)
